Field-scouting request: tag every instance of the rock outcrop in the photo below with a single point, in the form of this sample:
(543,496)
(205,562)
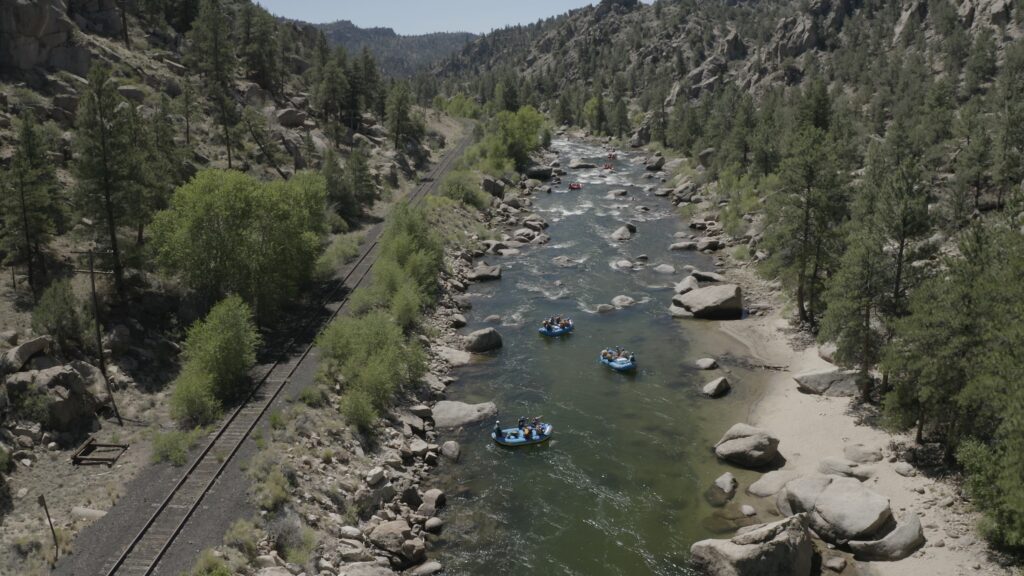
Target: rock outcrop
(903,541)
(720,302)
(778,549)
(833,382)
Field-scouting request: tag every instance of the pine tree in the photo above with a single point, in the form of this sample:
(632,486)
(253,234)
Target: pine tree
(103,165)
(621,118)
(187,106)
(213,55)
(27,201)
(261,50)
(398,112)
(802,219)
(339,189)
(973,162)
(359,179)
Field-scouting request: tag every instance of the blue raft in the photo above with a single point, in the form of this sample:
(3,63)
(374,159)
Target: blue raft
(552,331)
(514,436)
(619,364)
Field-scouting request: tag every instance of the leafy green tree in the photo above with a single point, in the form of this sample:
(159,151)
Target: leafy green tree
(227,233)
(104,162)
(223,345)
(26,201)
(213,55)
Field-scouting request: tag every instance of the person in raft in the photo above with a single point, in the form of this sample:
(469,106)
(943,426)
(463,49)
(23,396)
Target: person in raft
(497,430)
(536,423)
(522,422)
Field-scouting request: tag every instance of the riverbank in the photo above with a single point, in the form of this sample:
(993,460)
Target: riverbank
(812,427)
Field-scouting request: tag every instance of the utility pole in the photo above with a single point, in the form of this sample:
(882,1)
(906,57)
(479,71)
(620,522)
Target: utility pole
(99,332)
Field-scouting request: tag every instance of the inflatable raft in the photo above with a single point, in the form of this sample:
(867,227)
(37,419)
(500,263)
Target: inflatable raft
(515,437)
(575,186)
(619,364)
(553,331)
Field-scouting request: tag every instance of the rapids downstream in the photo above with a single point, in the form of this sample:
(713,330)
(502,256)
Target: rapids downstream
(619,488)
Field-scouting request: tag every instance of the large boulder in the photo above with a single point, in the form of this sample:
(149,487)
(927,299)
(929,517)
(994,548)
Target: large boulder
(493,186)
(903,541)
(391,535)
(484,272)
(747,446)
(722,301)
(452,414)
(833,382)
(538,172)
(366,569)
(16,358)
(291,118)
(483,340)
(623,301)
(454,357)
(778,549)
(39,33)
(862,454)
(772,482)
(839,508)
(688,284)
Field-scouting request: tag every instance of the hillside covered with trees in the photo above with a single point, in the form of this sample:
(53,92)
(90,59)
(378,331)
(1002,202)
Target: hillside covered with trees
(400,56)
(869,155)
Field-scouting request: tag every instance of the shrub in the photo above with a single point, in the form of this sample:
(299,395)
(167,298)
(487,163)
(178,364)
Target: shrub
(33,405)
(60,314)
(223,345)
(272,481)
(341,251)
(193,402)
(313,396)
(406,306)
(358,409)
(243,536)
(210,565)
(462,186)
(173,446)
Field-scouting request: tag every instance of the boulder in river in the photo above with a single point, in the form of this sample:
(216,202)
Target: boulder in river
(665,269)
(778,549)
(688,284)
(772,482)
(538,172)
(747,446)
(707,276)
(484,272)
(832,382)
(452,414)
(578,164)
(483,340)
(722,301)
(903,541)
(621,234)
(706,363)
(452,356)
(623,301)
(717,388)
(685,245)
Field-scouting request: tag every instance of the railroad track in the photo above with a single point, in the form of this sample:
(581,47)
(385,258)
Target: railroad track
(147,548)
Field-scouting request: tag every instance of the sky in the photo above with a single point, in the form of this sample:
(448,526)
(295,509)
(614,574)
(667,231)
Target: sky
(423,16)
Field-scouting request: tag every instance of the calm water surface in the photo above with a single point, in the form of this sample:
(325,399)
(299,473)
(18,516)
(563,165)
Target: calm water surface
(618,489)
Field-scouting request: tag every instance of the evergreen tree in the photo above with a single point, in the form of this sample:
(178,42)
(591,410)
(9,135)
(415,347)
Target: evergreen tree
(27,202)
(398,112)
(103,164)
(213,56)
(360,181)
(802,219)
(261,50)
(620,118)
(973,162)
(981,62)
(339,189)
(187,106)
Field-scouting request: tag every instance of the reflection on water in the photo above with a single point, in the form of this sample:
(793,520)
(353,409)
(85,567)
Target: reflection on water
(618,489)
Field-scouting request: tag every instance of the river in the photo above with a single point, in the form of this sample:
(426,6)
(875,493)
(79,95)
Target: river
(619,488)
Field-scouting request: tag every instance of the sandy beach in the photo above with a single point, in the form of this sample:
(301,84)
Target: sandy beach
(812,427)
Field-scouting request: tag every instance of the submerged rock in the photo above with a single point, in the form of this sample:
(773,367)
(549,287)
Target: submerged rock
(717,387)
